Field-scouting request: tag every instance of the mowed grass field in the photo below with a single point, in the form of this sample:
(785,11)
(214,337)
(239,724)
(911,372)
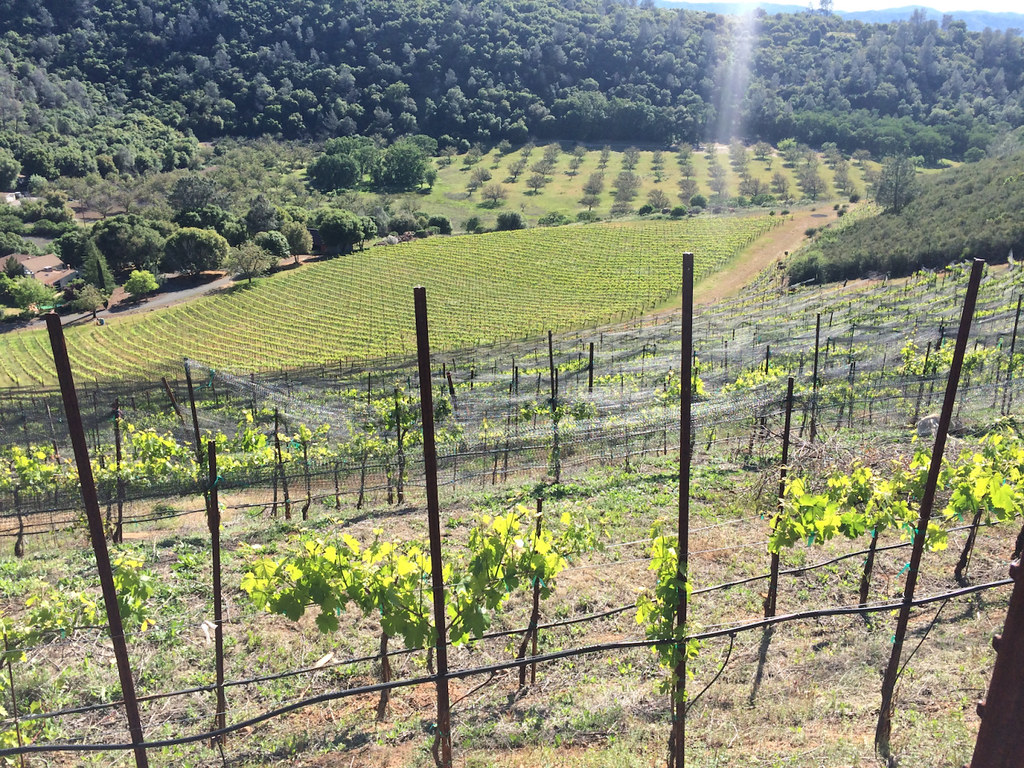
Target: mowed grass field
(480,289)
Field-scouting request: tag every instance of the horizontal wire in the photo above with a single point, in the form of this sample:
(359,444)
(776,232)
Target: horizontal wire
(493,668)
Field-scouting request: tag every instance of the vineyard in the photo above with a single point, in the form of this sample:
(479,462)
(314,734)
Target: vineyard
(556,466)
(515,284)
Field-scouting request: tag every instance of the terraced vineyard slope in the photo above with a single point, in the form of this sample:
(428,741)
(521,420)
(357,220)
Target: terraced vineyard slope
(482,288)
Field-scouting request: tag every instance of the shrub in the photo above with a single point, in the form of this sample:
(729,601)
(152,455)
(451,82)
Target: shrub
(473,225)
(854,198)
(699,201)
(403,223)
(587,216)
(48,228)
(646,209)
(140,282)
(36,185)
(443,224)
(678,212)
(810,231)
(298,237)
(510,220)
(273,243)
(553,219)
(974,154)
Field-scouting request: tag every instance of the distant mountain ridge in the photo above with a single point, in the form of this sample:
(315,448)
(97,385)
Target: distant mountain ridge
(976,20)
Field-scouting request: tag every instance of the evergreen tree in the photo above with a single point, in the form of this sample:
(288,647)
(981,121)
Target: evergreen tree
(96,271)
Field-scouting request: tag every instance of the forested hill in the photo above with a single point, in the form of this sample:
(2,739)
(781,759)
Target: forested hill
(493,69)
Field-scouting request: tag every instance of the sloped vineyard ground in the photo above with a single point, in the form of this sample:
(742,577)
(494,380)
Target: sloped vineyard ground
(483,289)
(883,355)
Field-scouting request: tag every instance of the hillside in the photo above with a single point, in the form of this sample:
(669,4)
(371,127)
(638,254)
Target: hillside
(968,212)
(812,684)
(482,289)
(586,71)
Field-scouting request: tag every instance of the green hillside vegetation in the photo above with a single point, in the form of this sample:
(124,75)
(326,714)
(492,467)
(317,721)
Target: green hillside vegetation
(481,289)
(973,211)
(586,71)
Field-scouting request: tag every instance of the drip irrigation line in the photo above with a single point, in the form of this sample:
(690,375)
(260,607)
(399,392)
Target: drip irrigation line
(729,630)
(891,605)
(609,564)
(490,670)
(729,549)
(737,521)
(504,633)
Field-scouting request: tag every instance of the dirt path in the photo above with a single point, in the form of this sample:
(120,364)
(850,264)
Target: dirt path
(762,253)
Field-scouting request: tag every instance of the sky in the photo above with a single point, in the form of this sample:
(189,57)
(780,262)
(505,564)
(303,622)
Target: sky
(1012,6)
(943,6)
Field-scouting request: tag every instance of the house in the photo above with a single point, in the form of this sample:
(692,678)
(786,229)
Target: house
(48,270)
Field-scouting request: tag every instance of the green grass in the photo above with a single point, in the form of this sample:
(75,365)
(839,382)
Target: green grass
(816,705)
(562,193)
(480,289)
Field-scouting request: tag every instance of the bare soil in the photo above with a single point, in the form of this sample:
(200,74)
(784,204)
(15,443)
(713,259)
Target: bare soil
(764,251)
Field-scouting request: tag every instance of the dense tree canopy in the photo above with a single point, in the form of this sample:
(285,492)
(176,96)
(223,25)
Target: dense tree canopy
(128,242)
(340,230)
(192,250)
(488,70)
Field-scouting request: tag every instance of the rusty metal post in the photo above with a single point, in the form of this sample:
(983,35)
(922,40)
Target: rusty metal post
(883,729)
(443,735)
(195,417)
(213,521)
(117,535)
(556,451)
(677,755)
(814,379)
(1000,737)
(99,542)
(14,700)
(1008,383)
(773,579)
(590,370)
(531,630)
(174,402)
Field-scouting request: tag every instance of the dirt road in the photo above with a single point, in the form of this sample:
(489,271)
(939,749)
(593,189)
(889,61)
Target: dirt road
(767,250)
